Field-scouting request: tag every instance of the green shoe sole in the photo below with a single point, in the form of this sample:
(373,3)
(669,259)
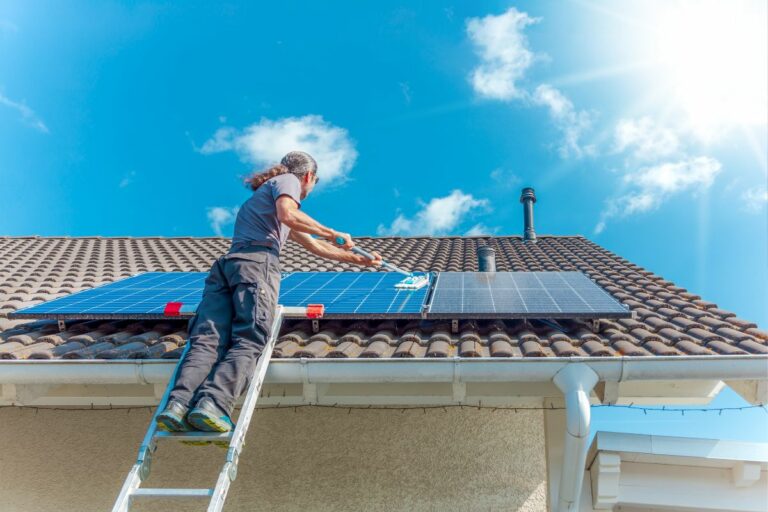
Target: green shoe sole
(172,423)
(201,420)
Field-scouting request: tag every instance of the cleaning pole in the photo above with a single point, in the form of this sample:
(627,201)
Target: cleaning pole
(411,281)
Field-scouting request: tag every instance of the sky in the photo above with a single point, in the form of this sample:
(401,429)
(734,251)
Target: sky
(642,125)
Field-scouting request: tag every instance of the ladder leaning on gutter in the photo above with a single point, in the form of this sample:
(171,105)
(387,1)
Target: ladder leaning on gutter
(132,489)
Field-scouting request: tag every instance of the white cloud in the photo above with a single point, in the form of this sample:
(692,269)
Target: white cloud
(657,166)
(127,179)
(503,50)
(505,57)
(481,229)
(755,198)
(267,141)
(570,122)
(669,178)
(650,186)
(505,178)
(405,89)
(440,216)
(27,114)
(645,139)
(221,216)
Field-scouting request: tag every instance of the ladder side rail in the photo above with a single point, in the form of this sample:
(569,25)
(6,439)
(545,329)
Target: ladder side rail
(140,469)
(229,470)
(131,484)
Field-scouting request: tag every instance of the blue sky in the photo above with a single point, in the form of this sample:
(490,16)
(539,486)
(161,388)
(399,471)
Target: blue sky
(642,125)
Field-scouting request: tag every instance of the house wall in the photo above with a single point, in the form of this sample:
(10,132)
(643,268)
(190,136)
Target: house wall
(317,459)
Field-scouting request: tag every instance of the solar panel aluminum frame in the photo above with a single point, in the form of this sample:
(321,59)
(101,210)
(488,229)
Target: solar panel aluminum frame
(432,314)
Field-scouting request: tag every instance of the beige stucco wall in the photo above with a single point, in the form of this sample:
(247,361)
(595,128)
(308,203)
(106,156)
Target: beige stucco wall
(315,459)
(312,459)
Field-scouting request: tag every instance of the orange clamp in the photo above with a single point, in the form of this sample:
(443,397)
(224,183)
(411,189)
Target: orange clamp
(315,310)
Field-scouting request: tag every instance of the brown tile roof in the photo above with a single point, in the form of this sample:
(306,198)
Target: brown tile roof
(669,320)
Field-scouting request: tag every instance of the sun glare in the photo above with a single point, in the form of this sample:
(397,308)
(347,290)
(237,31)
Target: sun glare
(712,59)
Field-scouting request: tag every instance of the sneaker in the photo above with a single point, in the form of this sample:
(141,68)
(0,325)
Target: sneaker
(207,416)
(172,419)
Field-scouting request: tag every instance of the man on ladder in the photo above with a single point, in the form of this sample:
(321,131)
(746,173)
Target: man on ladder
(236,322)
(232,322)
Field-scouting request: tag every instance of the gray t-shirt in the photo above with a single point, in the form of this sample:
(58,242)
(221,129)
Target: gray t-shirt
(257,219)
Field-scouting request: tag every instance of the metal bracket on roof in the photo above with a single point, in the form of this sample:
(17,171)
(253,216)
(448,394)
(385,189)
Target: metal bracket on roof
(455,326)
(62,325)
(315,326)
(594,325)
(553,324)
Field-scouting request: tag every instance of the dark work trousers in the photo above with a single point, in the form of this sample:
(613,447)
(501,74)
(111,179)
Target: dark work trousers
(230,329)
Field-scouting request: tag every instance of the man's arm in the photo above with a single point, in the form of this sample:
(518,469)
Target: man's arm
(289,214)
(326,250)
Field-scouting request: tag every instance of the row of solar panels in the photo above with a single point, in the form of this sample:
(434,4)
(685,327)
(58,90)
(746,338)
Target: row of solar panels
(356,295)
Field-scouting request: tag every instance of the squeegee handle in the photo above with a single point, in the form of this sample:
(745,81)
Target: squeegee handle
(363,252)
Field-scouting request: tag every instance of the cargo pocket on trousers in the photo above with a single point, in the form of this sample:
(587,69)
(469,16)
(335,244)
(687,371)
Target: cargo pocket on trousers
(263,310)
(254,277)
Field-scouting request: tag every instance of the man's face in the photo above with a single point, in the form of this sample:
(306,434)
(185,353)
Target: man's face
(308,183)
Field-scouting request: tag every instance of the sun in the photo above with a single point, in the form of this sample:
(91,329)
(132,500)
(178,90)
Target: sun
(711,60)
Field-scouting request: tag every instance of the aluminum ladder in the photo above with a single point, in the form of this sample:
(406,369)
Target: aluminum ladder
(132,489)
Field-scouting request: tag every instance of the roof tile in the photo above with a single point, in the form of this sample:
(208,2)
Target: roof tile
(669,320)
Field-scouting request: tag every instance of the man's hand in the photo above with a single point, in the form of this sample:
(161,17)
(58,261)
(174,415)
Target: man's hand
(348,243)
(366,262)
(333,251)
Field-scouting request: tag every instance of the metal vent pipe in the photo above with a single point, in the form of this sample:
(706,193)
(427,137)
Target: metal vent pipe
(486,259)
(528,197)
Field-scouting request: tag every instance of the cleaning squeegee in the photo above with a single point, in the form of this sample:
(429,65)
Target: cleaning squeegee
(411,281)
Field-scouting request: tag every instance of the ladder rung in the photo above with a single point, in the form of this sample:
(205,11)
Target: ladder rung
(172,493)
(194,436)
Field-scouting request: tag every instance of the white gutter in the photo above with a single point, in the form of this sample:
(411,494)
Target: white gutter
(576,381)
(316,371)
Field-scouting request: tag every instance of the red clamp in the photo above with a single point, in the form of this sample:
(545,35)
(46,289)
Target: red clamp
(172,309)
(315,310)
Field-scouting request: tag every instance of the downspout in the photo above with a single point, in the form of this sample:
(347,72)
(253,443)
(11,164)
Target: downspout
(576,381)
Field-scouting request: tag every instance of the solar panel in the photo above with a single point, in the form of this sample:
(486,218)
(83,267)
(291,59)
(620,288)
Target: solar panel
(353,294)
(521,295)
(344,294)
(141,296)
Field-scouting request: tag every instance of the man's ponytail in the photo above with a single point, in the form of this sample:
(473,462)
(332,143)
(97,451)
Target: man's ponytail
(256,180)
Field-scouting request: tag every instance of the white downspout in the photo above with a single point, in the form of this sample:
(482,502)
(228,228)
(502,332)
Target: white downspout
(576,381)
